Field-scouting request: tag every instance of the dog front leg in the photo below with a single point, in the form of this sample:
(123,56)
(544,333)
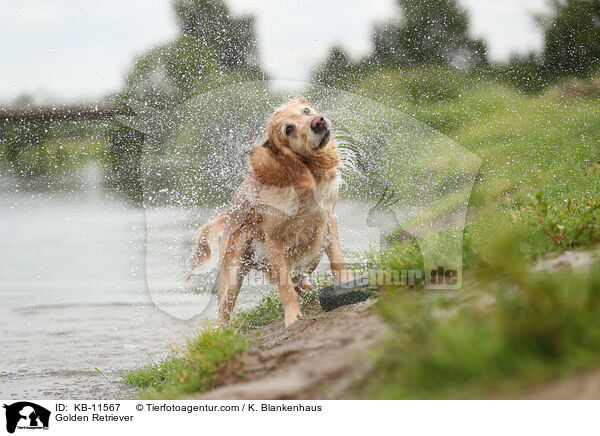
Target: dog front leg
(280,268)
(334,253)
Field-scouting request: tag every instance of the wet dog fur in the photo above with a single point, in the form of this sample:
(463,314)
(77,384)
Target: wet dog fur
(281,218)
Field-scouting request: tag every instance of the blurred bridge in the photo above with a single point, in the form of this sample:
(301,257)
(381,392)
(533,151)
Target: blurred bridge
(23,128)
(58,113)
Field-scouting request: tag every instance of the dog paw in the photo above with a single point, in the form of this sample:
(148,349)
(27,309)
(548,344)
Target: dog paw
(292,318)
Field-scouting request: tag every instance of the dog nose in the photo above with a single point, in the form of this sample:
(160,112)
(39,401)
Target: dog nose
(317,124)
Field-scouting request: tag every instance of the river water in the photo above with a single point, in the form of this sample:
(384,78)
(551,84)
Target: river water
(77,309)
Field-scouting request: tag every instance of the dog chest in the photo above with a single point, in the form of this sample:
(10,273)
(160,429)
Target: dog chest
(302,233)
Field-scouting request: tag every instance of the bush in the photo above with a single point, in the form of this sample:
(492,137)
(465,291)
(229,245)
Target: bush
(568,224)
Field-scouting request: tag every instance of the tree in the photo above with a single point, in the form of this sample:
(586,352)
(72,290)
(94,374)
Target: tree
(232,38)
(167,75)
(524,72)
(336,70)
(572,37)
(428,31)
(214,48)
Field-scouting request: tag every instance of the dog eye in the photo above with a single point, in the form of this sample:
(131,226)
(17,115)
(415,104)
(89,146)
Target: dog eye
(289,130)
(306,110)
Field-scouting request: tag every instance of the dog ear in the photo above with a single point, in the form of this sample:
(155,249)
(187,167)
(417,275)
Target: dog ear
(298,171)
(280,168)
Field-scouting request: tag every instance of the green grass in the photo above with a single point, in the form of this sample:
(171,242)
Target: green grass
(539,145)
(152,376)
(194,370)
(513,328)
(268,310)
(508,327)
(537,195)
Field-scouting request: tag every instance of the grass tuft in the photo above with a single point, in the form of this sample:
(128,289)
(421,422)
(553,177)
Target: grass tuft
(195,370)
(153,376)
(268,310)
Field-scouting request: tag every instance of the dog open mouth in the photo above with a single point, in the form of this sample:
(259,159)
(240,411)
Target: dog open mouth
(324,140)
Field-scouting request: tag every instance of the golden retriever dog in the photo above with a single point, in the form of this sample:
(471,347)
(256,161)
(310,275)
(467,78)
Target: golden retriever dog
(281,218)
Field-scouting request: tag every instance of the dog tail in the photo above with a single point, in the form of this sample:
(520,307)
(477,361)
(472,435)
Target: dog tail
(207,242)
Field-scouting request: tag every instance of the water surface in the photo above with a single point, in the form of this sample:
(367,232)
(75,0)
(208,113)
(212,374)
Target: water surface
(75,294)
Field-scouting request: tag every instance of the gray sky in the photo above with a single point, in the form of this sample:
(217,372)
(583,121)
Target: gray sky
(71,50)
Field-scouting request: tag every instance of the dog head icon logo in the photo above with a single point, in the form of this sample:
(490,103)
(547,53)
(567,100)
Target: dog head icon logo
(26,415)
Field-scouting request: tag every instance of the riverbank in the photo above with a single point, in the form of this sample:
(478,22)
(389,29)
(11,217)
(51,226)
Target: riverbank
(527,340)
(331,355)
(319,357)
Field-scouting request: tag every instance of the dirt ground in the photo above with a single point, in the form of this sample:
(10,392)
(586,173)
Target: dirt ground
(584,386)
(317,358)
(576,259)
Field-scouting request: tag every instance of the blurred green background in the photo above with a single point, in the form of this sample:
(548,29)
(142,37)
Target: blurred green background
(535,110)
(533,120)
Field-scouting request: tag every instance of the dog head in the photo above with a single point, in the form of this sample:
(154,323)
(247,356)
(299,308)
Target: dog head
(299,128)
(298,149)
